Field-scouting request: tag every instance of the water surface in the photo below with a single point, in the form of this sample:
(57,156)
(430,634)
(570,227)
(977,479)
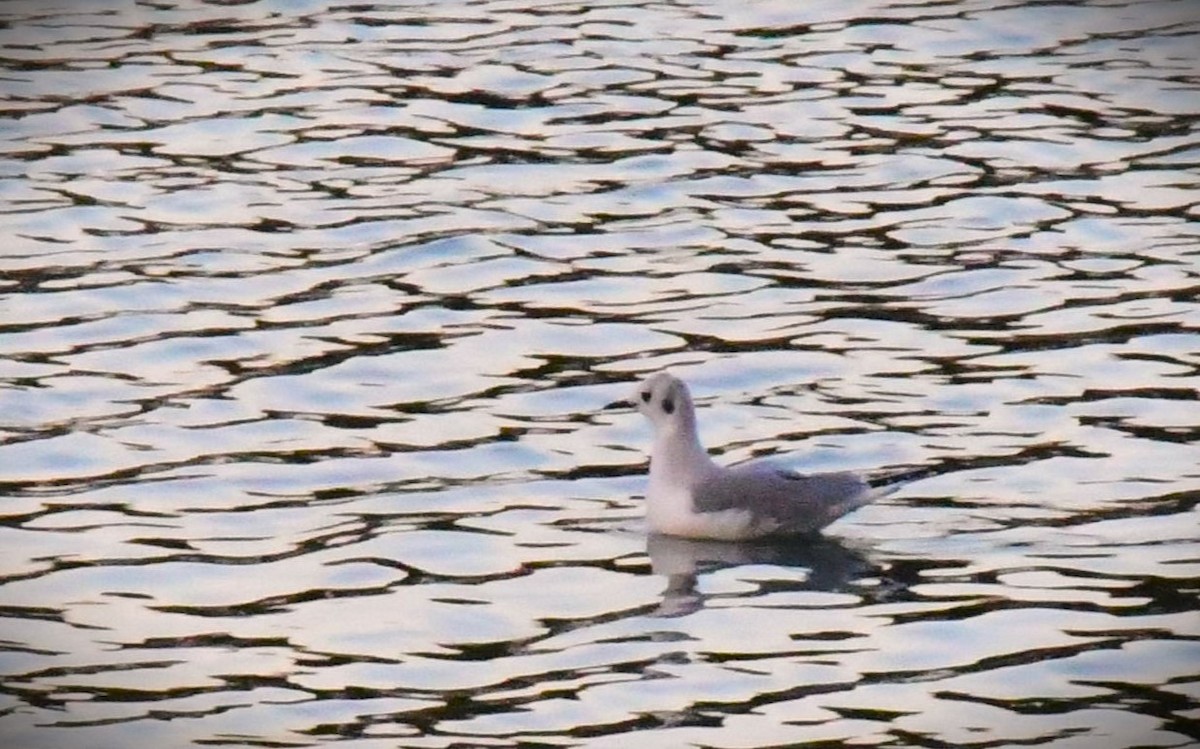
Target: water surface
(311,314)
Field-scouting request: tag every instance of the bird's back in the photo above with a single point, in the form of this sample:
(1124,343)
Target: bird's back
(795,503)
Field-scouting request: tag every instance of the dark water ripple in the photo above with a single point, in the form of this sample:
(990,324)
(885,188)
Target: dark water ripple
(310,314)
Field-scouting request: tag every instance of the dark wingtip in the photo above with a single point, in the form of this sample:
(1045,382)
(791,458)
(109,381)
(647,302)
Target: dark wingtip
(888,482)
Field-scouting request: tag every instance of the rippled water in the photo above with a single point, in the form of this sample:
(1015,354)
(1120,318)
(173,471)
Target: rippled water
(312,313)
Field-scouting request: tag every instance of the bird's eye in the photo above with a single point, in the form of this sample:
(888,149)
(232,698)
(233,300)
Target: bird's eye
(668,406)
(645,396)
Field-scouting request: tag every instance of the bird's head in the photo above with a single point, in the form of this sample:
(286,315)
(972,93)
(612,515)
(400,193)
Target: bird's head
(665,401)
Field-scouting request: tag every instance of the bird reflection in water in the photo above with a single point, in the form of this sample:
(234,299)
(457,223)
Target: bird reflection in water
(831,565)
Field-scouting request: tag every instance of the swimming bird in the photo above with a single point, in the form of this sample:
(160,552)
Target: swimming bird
(690,495)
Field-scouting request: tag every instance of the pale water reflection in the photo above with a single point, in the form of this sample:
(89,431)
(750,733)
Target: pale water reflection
(311,316)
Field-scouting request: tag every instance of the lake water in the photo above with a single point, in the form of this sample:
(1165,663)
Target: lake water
(313,314)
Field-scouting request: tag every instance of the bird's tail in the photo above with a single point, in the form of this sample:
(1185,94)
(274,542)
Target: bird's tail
(868,495)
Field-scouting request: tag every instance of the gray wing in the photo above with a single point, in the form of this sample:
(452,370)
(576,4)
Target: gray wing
(799,503)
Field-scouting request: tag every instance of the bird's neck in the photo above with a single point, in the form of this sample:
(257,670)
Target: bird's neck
(678,458)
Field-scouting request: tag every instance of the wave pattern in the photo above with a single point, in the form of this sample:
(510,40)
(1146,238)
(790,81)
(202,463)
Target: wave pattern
(311,315)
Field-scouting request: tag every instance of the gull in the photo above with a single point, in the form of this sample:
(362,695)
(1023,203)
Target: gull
(689,495)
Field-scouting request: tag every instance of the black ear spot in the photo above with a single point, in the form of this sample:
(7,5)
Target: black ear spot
(668,405)
(645,396)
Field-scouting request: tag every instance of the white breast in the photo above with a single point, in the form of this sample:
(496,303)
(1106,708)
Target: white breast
(669,510)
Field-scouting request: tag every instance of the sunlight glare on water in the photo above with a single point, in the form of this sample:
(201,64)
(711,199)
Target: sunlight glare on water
(313,316)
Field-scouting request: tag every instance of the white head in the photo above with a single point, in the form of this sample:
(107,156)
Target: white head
(677,460)
(666,402)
